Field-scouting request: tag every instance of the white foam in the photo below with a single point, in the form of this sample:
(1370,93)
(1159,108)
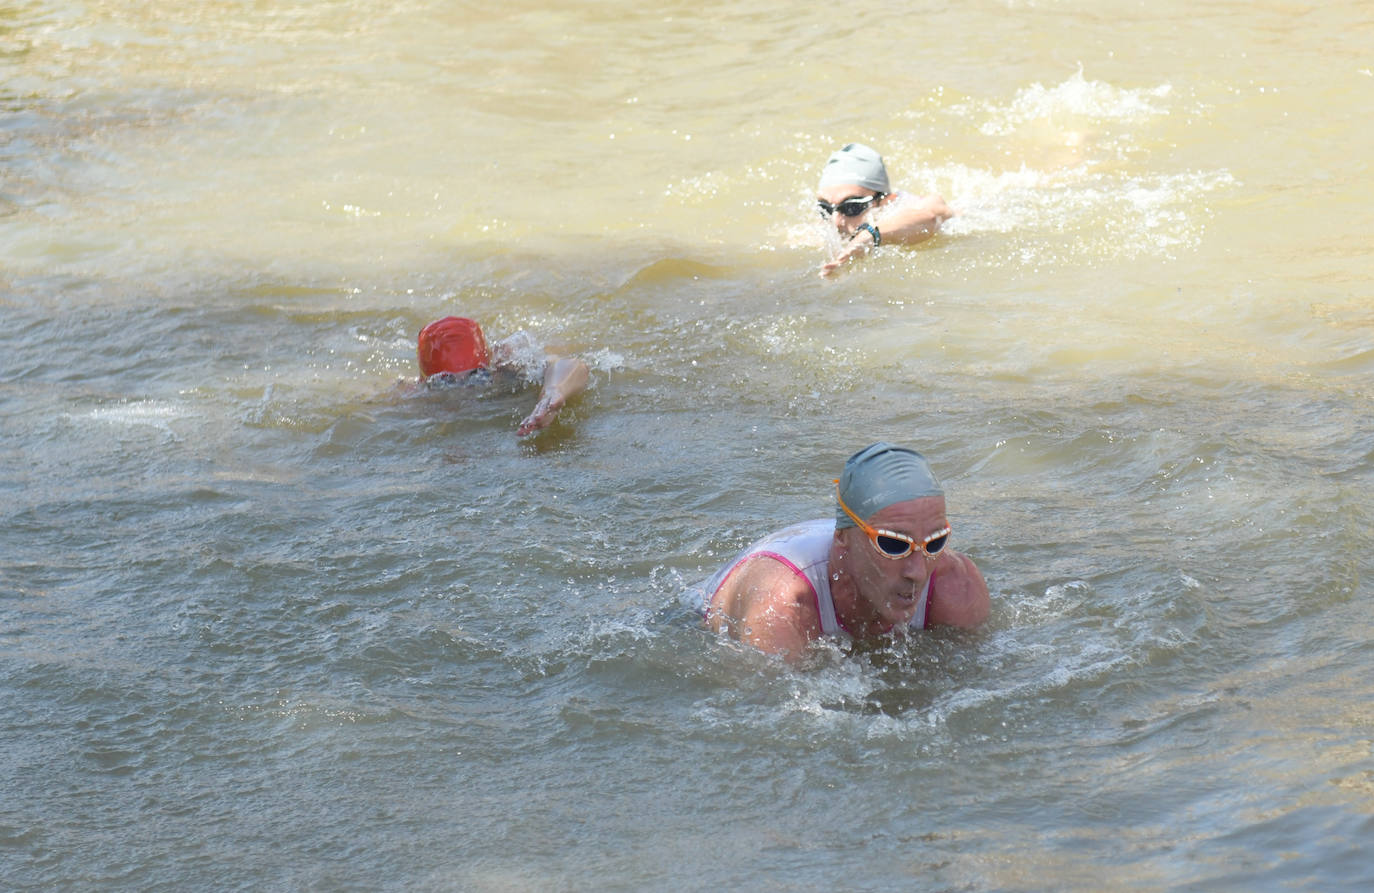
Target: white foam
(1076,99)
(139,413)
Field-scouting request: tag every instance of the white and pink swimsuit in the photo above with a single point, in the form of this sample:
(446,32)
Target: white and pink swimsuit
(805,549)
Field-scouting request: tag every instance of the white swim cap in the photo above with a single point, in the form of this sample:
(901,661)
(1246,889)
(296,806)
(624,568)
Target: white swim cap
(856,164)
(878,476)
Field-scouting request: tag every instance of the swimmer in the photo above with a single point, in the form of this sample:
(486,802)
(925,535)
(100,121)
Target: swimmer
(453,348)
(882,565)
(855,194)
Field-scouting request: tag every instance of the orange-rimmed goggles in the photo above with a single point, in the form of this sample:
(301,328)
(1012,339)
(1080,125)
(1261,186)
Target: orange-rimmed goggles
(891,544)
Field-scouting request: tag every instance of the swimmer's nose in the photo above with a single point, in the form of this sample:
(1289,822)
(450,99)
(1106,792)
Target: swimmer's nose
(914,567)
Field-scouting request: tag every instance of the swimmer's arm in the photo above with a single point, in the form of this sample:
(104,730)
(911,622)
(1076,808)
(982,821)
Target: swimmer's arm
(766,605)
(914,219)
(911,219)
(563,378)
(958,594)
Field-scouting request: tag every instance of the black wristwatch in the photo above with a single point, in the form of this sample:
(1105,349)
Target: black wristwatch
(872,231)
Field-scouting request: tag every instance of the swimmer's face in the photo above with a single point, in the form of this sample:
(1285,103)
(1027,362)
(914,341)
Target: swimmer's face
(891,588)
(847,206)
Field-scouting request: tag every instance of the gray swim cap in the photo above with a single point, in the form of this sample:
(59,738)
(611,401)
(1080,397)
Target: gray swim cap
(879,475)
(856,164)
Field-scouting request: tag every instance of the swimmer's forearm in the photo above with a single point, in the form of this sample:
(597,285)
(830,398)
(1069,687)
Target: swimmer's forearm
(912,221)
(563,377)
(916,222)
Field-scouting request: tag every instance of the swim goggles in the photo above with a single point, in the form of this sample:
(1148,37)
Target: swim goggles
(850,207)
(891,544)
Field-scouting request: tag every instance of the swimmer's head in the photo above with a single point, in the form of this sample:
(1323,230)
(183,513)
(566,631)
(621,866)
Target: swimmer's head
(880,475)
(855,165)
(452,344)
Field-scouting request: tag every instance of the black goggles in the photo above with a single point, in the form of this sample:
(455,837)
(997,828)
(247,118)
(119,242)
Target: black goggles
(850,207)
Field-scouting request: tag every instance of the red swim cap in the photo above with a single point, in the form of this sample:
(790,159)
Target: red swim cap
(452,344)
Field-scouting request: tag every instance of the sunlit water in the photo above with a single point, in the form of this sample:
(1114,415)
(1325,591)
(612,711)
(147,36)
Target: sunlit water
(273,619)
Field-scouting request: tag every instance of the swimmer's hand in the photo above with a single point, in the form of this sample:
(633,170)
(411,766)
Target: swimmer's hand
(830,268)
(563,377)
(543,415)
(858,246)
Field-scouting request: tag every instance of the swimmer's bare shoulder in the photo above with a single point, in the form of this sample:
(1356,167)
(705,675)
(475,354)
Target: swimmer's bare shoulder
(958,592)
(764,603)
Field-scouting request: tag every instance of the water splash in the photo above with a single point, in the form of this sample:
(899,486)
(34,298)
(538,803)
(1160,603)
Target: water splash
(1074,103)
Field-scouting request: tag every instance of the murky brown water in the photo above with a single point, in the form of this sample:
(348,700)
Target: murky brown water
(272,621)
